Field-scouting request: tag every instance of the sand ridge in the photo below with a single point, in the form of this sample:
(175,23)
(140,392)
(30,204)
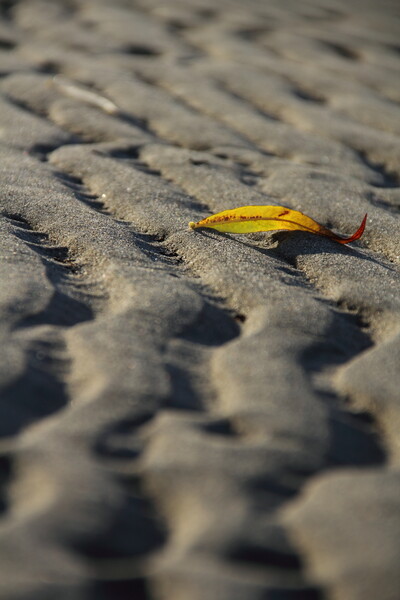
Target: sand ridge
(189,414)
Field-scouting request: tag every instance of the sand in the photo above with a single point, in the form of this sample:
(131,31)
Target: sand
(189,415)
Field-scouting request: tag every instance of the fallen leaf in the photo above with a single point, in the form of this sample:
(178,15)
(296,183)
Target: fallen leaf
(248,219)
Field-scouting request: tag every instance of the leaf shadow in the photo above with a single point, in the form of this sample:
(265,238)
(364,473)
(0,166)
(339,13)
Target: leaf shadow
(298,243)
(290,244)
(247,242)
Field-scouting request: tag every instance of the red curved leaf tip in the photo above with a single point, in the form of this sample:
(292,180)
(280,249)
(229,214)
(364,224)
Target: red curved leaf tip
(355,235)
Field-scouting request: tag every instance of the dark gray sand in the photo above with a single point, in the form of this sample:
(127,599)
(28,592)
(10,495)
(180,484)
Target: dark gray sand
(192,415)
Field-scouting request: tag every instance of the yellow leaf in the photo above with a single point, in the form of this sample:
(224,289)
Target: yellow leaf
(248,219)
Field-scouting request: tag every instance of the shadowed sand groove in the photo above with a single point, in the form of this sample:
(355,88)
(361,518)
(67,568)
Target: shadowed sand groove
(40,388)
(193,415)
